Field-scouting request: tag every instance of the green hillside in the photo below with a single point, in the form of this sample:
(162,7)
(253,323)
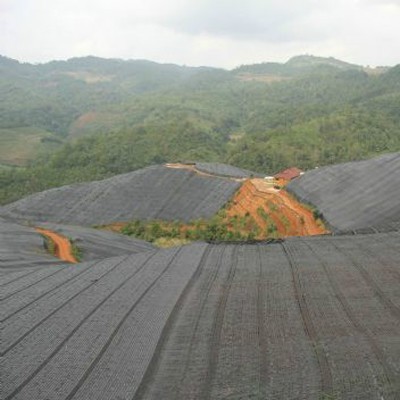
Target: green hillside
(89,118)
(21,145)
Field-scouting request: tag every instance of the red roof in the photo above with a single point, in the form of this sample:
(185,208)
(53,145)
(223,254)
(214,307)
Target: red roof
(289,174)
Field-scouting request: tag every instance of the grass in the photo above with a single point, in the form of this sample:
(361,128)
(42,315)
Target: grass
(170,242)
(218,228)
(49,245)
(19,146)
(76,251)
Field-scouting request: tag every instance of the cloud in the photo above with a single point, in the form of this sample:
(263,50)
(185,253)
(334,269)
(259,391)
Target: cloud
(380,3)
(201,32)
(258,20)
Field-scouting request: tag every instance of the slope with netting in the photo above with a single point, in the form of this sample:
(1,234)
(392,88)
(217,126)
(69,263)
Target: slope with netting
(155,192)
(356,195)
(315,317)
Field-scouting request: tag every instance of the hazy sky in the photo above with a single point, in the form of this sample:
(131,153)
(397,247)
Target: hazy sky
(224,33)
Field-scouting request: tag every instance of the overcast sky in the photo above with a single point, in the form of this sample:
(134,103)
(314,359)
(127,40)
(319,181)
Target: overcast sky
(222,33)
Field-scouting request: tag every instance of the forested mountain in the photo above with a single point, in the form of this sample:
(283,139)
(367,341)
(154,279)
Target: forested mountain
(89,118)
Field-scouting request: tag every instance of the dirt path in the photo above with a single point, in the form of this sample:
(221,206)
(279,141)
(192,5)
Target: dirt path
(192,167)
(63,248)
(274,209)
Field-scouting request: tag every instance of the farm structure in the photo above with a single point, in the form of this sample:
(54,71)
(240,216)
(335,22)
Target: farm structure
(305,318)
(354,195)
(288,174)
(155,192)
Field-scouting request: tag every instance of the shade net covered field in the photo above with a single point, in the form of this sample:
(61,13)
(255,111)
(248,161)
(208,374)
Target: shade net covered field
(155,192)
(355,195)
(220,169)
(305,318)
(21,247)
(95,244)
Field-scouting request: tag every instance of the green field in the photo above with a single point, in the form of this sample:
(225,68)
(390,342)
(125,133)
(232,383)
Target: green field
(19,146)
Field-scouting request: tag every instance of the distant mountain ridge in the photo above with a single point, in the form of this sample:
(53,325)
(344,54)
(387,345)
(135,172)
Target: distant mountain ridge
(306,64)
(90,118)
(90,61)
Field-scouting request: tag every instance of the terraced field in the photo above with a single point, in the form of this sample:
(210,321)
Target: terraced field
(312,318)
(151,193)
(355,195)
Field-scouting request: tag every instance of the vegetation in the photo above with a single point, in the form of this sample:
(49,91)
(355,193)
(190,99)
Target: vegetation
(212,230)
(91,118)
(219,228)
(49,245)
(76,251)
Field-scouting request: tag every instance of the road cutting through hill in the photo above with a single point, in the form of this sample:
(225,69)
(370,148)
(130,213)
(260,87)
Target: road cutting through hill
(62,246)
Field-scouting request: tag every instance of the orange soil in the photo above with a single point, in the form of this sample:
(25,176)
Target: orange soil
(63,249)
(289,216)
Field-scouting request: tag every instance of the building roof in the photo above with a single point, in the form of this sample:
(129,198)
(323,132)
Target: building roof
(289,174)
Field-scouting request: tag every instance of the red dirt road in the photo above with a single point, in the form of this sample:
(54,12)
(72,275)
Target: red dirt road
(63,249)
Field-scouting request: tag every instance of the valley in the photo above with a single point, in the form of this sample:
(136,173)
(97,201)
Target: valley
(171,232)
(81,127)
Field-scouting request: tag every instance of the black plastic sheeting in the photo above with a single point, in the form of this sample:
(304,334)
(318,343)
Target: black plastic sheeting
(225,170)
(21,246)
(306,318)
(354,196)
(155,192)
(95,243)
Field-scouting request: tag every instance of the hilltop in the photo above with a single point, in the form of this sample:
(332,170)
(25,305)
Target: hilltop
(90,118)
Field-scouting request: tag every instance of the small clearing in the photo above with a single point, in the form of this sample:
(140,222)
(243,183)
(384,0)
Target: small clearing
(62,246)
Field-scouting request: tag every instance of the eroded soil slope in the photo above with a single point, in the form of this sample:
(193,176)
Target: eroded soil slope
(275,212)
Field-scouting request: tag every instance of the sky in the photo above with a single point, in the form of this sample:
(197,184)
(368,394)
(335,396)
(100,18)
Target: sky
(219,33)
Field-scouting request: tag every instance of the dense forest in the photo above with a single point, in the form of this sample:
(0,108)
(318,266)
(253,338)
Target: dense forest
(89,118)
